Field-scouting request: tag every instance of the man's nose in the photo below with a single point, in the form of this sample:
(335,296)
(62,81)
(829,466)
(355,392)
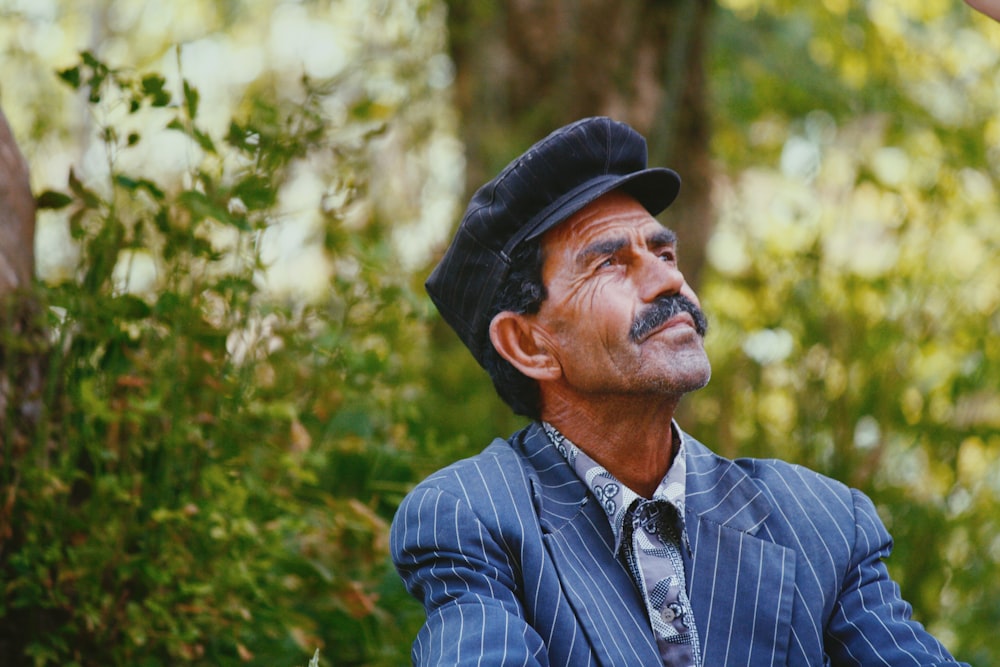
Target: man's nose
(659,277)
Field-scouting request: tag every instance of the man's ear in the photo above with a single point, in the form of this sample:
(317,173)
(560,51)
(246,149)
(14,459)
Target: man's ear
(523,343)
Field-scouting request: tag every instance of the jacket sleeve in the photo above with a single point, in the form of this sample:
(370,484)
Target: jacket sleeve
(871,623)
(462,573)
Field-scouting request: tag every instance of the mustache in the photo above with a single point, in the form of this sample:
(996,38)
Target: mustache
(662,310)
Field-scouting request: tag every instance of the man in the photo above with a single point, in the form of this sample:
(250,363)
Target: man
(602,534)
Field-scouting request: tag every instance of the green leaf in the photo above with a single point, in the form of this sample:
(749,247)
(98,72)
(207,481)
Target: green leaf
(168,304)
(133,185)
(203,248)
(76,229)
(203,140)
(191,100)
(246,139)
(51,199)
(162,221)
(95,89)
(87,196)
(90,61)
(256,192)
(71,77)
(153,88)
(200,206)
(235,284)
(103,252)
(129,307)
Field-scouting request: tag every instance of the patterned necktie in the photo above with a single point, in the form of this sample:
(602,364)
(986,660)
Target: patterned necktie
(653,555)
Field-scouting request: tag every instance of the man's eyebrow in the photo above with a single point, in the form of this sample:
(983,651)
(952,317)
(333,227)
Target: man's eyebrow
(661,237)
(605,247)
(601,248)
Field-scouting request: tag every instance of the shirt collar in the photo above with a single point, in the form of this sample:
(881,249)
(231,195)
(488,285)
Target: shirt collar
(613,496)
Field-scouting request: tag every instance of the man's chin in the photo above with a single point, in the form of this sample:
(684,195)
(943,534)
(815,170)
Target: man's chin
(696,374)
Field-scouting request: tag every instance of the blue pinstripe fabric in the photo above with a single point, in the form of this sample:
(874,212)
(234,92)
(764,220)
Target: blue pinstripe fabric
(513,562)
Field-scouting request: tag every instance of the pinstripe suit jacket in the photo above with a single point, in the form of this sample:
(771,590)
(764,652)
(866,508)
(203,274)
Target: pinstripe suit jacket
(513,562)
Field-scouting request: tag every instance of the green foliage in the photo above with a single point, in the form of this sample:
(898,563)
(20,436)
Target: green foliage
(854,292)
(212,471)
(212,474)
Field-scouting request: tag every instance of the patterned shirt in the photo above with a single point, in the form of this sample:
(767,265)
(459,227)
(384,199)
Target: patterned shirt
(649,535)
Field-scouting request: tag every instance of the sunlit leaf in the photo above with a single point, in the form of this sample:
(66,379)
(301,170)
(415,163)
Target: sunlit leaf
(191,99)
(86,196)
(53,200)
(153,87)
(71,76)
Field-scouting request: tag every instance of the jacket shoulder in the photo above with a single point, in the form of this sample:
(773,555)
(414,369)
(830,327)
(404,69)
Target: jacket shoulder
(490,483)
(783,478)
(800,502)
(498,460)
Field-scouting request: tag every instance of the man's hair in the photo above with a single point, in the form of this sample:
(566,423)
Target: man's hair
(523,293)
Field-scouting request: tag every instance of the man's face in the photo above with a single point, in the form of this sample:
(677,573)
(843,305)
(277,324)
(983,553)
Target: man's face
(609,270)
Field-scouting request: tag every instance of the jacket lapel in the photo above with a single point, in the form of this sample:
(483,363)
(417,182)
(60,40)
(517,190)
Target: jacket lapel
(577,536)
(741,586)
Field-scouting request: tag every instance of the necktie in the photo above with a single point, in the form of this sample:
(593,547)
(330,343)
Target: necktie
(654,559)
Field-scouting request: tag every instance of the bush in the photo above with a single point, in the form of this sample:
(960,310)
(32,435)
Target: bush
(211,473)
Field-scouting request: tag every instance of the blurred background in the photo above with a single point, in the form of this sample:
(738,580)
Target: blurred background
(226,373)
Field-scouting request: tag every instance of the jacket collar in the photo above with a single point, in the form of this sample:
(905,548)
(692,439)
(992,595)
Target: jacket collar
(725,510)
(559,494)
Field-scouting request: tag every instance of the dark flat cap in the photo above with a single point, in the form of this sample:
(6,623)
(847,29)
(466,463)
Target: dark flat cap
(548,183)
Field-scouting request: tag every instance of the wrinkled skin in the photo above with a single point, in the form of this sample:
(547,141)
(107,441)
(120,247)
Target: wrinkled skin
(609,373)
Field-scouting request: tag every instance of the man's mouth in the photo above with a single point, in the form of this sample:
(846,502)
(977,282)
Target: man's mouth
(681,320)
(665,313)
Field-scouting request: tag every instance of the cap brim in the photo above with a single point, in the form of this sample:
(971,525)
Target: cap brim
(654,188)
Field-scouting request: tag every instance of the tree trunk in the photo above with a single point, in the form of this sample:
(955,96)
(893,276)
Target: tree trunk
(17,216)
(22,341)
(525,67)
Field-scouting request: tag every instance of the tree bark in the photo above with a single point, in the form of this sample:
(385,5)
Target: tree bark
(525,67)
(17,216)
(22,340)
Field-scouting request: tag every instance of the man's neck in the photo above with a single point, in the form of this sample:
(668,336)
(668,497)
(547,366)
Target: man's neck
(630,436)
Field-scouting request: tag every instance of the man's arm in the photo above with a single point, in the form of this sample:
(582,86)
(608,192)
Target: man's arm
(871,623)
(466,582)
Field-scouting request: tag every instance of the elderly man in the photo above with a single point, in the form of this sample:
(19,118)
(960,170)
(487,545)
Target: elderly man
(602,534)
